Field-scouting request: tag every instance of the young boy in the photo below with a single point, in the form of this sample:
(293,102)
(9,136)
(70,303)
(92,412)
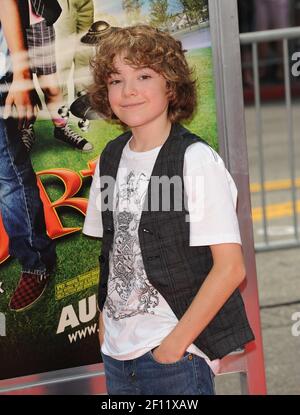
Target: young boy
(171,259)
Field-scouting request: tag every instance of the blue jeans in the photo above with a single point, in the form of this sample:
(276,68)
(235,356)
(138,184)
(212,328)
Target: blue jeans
(20,204)
(145,376)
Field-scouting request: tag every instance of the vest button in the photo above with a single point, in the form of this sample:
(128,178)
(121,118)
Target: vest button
(190,357)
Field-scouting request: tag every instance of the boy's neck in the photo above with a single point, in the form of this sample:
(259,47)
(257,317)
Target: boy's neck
(146,138)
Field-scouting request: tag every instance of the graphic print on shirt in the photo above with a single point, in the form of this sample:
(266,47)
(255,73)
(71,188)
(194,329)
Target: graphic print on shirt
(129,291)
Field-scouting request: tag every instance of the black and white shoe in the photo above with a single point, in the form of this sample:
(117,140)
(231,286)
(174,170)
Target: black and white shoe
(28,137)
(70,137)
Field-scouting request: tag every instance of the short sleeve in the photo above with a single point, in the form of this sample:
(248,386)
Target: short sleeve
(211,197)
(93,220)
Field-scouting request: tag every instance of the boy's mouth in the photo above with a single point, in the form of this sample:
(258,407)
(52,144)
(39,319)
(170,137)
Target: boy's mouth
(132,105)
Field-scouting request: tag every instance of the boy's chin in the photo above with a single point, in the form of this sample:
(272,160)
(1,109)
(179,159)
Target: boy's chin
(139,123)
(132,124)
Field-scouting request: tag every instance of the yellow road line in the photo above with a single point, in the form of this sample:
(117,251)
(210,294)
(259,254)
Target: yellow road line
(275,211)
(274,185)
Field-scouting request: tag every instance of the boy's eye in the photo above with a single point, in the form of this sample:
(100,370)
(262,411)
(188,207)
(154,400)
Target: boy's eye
(114,82)
(145,76)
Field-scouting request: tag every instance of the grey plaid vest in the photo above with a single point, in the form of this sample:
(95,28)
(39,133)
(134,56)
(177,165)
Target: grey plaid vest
(174,268)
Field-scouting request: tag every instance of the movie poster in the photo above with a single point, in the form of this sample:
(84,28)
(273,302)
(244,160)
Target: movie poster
(60,329)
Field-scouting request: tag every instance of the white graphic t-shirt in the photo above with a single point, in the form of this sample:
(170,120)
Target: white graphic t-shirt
(5,61)
(136,317)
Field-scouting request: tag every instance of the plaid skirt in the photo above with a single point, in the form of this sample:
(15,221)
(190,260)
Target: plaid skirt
(41,48)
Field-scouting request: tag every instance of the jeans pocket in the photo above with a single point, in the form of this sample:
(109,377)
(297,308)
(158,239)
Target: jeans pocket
(212,377)
(204,376)
(182,360)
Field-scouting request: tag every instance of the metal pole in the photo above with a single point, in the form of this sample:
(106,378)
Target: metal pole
(233,149)
(287,85)
(270,35)
(259,138)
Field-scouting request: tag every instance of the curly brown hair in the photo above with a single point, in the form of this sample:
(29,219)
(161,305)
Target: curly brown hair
(145,46)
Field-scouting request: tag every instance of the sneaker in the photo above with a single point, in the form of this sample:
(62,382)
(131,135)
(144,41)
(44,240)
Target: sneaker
(29,289)
(28,137)
(68,136)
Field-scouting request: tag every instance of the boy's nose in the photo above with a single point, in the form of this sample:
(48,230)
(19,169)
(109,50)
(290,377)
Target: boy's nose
(129,89)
